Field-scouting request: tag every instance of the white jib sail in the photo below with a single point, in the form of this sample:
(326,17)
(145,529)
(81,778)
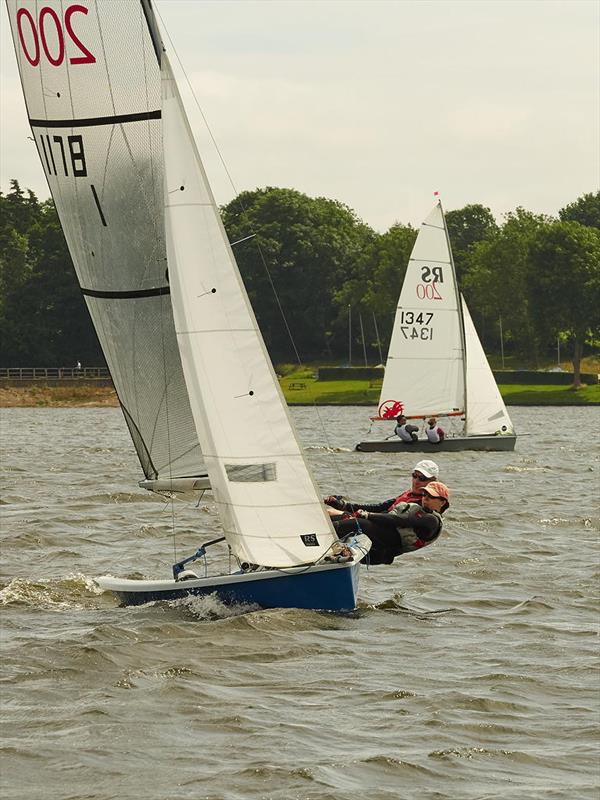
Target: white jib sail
(486,412)
(271,511)
(424,368)
(91,81)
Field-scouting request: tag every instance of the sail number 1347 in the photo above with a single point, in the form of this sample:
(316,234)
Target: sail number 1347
(416,326)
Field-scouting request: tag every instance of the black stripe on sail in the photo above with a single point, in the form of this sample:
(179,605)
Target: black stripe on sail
(132,295)
(115,119)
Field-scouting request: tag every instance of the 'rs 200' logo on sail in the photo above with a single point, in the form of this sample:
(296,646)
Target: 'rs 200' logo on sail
(310,539)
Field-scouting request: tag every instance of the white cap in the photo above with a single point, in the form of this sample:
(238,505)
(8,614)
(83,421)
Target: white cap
(428,468)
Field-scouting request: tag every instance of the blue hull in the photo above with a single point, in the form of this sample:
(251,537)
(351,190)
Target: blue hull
(330,588)
(316,591)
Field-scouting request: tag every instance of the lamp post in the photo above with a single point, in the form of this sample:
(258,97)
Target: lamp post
(349,335)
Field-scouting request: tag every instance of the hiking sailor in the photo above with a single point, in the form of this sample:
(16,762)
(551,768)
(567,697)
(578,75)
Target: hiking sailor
(423,473)
(434,432)
(404,529)
(408,433)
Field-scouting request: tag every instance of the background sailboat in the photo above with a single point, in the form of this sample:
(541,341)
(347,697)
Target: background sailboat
(436,365)
(271,512)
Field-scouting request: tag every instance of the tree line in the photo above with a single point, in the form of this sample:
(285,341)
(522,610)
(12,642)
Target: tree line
(311,266)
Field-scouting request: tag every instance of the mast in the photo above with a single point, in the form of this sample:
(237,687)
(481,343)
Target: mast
(153,29)
(461,319)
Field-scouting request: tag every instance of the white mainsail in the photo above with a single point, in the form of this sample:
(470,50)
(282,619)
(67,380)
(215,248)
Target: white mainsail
(486,412)
(94,104)
(271,511)
(425,363)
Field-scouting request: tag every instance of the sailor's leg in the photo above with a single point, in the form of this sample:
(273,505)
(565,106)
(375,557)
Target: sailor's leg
(385,538)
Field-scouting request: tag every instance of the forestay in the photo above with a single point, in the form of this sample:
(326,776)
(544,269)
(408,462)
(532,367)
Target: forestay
(269,506)
(425,364)
(486,412)
(93,101)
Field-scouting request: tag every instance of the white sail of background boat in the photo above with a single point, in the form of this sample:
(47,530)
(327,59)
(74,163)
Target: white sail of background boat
(143,228)
(436,365)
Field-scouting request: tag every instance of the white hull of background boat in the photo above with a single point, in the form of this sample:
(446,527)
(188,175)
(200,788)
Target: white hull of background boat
(449,445)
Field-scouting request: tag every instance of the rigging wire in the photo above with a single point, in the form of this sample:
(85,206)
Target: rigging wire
(164,305)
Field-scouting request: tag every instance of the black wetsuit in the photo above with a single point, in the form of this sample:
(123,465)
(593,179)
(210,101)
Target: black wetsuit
(406,528)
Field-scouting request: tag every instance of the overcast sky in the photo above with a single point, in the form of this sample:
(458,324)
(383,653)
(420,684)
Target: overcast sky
(379,104)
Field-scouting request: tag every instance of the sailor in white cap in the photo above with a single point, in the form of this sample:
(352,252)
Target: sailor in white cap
(423,473)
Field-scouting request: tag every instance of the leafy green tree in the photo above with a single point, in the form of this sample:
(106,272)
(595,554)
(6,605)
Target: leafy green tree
(467,226)
(302,251)
(375,286)
(564,283)
(43,317)
(585,210)
(496,285)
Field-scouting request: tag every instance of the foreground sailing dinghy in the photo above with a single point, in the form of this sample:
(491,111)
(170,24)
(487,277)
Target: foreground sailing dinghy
(436,365)
(165,294)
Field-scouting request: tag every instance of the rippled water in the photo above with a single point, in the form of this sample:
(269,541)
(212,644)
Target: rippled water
(469,671)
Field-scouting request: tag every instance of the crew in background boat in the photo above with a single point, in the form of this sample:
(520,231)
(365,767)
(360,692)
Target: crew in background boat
(404,529)
(408,433)
(434,432)
(424,472)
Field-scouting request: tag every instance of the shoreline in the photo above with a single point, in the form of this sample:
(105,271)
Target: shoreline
(92,395)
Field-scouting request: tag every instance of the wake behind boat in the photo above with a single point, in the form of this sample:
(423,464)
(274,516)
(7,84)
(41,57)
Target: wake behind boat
(436,366)
(166,296)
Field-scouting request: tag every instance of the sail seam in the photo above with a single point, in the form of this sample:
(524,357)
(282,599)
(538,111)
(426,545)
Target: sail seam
(217,330)
(430,261)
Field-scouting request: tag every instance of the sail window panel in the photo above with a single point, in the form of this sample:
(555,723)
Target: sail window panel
(251,473)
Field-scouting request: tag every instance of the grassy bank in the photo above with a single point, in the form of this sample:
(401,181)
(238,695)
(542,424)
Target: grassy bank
(299,388)
(67,395)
